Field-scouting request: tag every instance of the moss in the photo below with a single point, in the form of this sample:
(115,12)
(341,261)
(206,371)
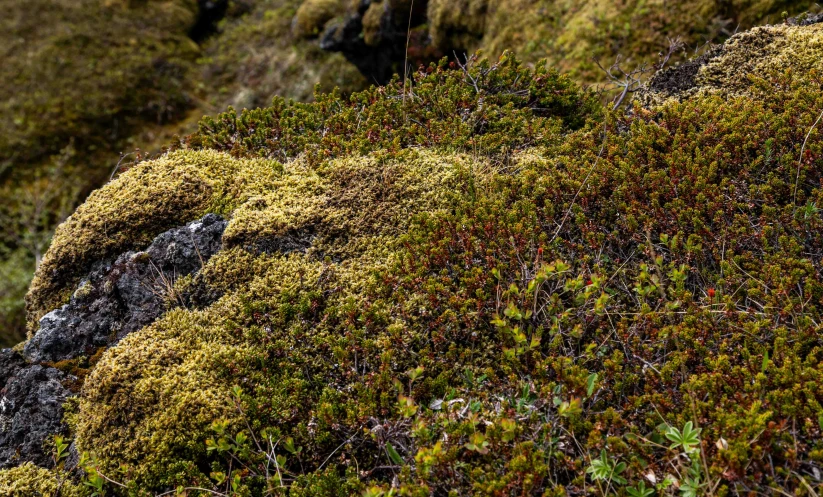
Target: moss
(743,61)
(85,71)
(360,205)
(258,55)
(28,480)
(335,210)
(134,208)
(456,24)
(570,33)
(372,23)
(312,15)
(15,275)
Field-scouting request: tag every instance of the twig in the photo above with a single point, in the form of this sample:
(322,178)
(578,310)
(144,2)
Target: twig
(406,60)
(201,489)
(583,185)
(800,160)
(338,448)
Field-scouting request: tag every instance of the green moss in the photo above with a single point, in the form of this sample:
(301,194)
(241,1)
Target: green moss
(262,54)
(746,60)
(134,208)
(312,15)
(84,70)
(28,480)
(358,205)
(571,33)
(372,21)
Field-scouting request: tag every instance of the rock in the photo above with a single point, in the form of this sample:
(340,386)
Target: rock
(373,37)
(119,297)
(681,78)
(115,299)
(31,411)
(10,363)
(806,20)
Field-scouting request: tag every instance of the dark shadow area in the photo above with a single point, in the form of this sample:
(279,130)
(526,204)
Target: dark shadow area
(209,13)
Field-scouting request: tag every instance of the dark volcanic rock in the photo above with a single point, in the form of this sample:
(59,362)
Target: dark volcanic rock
(681,78)
(122,296)
(31,411)
(115,299)
(807,20)
(10,363)
(381,56)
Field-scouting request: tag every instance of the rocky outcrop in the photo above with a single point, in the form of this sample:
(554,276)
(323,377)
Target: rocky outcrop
(378,37)
(116,298)
(122,296)
(31,411)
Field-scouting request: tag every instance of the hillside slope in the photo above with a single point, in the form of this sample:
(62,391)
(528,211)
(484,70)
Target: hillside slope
(482,283)
(92,87)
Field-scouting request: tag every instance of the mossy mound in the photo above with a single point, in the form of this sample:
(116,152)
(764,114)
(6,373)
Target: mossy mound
(481,283)
(84,82)
(745,60)
(572,34)
(28,480)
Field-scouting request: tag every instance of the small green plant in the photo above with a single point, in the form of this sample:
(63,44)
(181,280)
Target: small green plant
(606,469)
(687,439)
(61,448)
(640,490)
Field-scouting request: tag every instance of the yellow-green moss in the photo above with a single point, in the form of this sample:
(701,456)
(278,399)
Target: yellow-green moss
(372,20)
(761,53)
(130,211)
(457,24)
(571,33)
(342,201)
(28,480)
(312,15)
(259,55)
(150,400)
(746,60)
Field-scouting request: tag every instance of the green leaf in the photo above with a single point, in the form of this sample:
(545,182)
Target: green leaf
(393,455)
(590,382)
(640,490)
(688,439)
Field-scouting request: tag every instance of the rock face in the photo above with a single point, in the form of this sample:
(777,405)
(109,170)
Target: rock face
(31,410)
(115,299)
(122,296)
(373,37)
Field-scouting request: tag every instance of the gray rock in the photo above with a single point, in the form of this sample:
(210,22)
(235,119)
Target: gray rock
(31,412)
(10,363)
(116,298)
(123,296)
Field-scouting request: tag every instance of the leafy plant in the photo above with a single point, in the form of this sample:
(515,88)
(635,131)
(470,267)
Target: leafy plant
(606,469)
(688,439)
(640,490)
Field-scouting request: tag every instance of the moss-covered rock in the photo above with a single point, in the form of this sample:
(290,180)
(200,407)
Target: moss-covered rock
(171,191)
(84,82)
(746,59)
(478,284)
